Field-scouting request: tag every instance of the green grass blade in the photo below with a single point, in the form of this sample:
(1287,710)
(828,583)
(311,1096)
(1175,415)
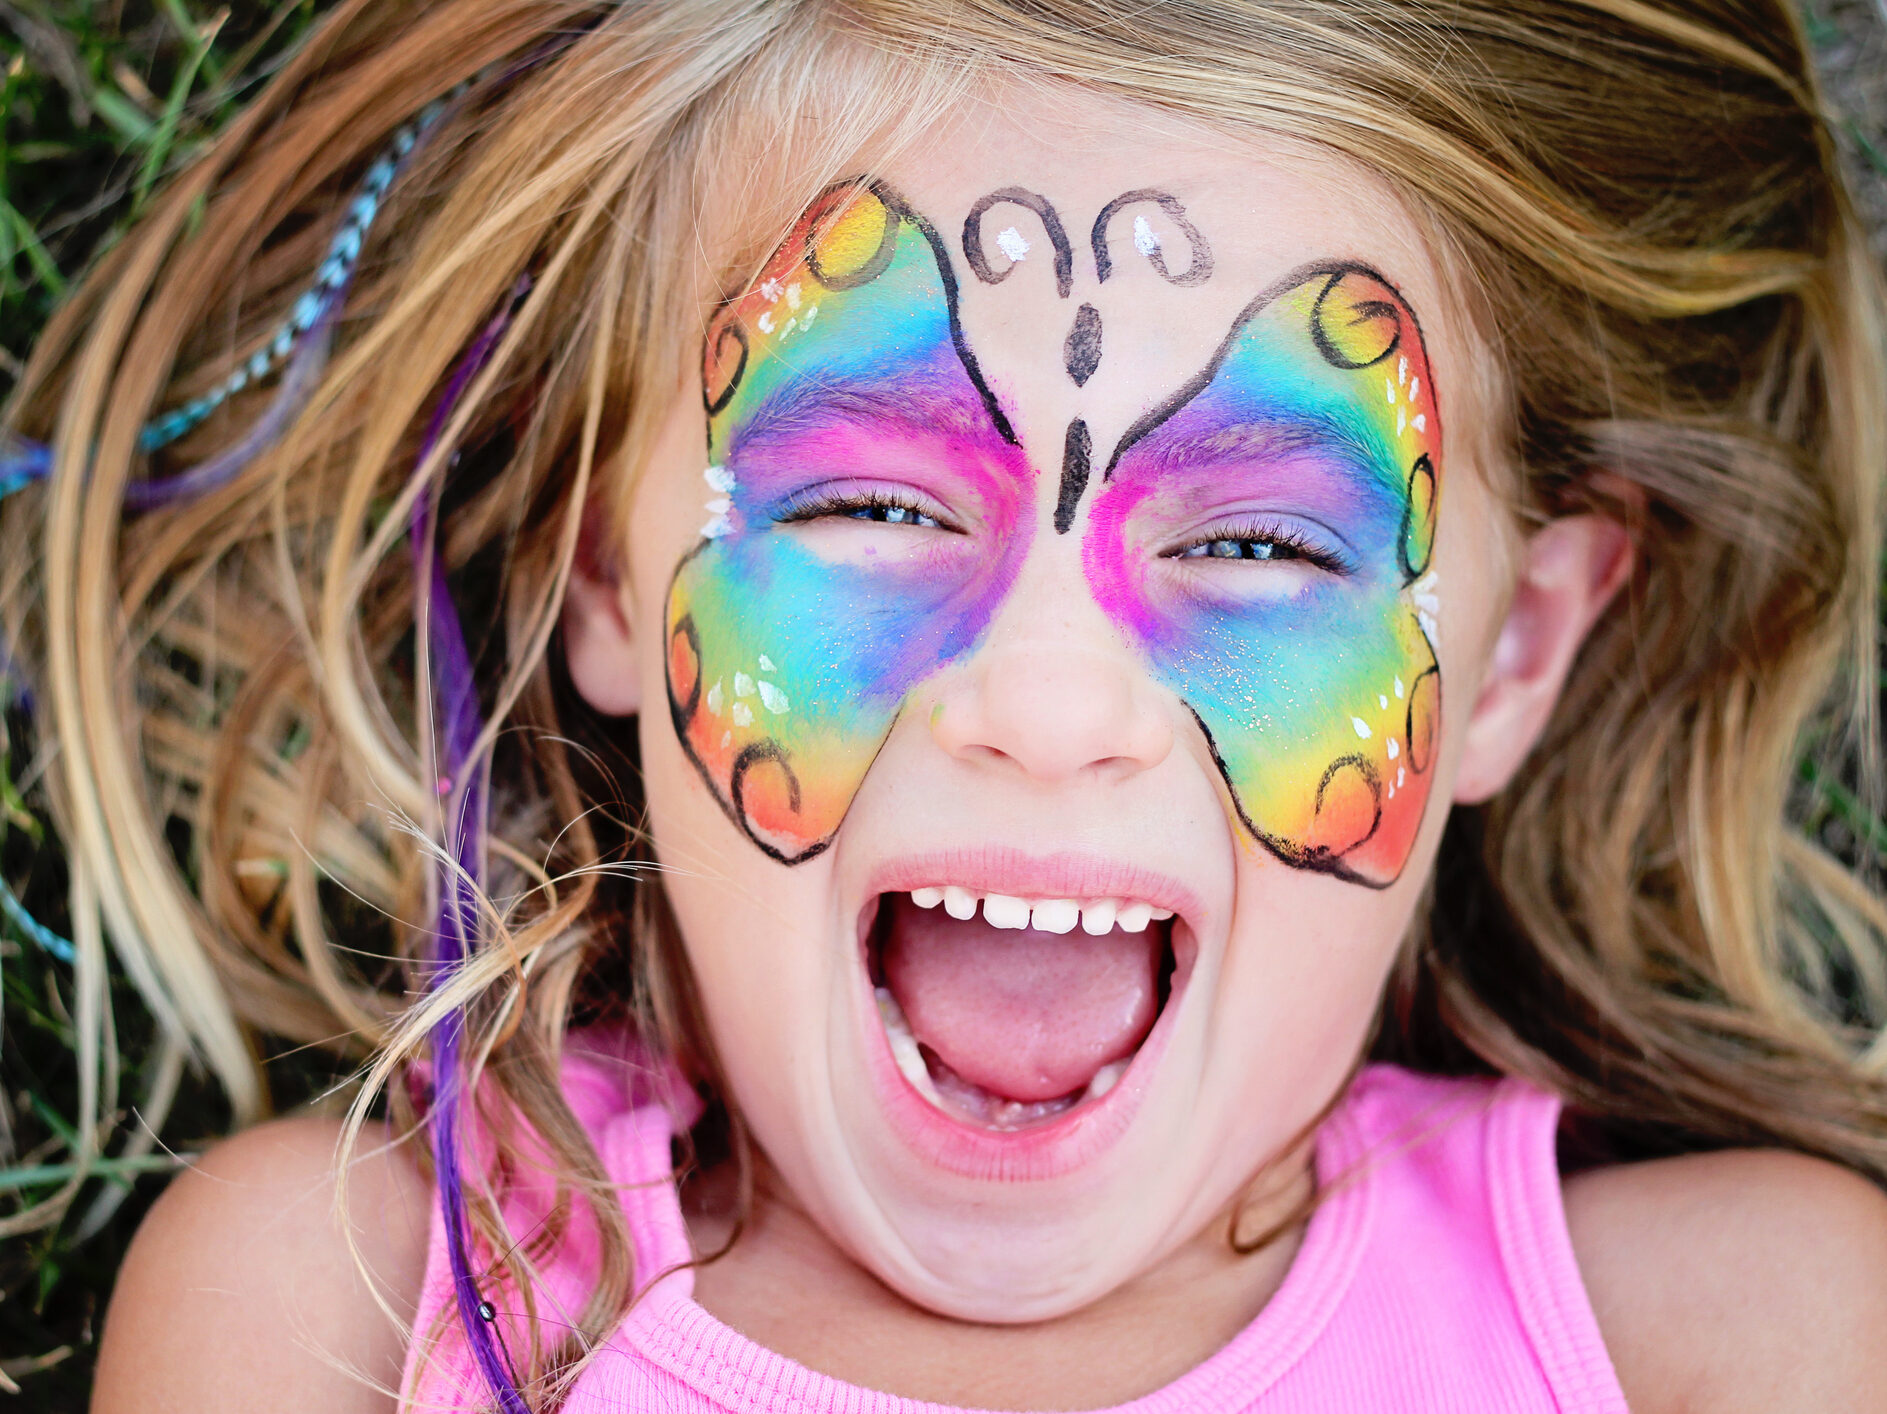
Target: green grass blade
(164,134)
(25,241)
(1868,827)
(40,1175)
(130,122)
(189,29)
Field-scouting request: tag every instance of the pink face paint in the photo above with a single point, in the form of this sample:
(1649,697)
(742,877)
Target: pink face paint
(839,390)
(1265,536)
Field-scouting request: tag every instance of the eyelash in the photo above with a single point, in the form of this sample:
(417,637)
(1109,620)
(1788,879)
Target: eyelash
(887,508)
(879,507)
(1239,543)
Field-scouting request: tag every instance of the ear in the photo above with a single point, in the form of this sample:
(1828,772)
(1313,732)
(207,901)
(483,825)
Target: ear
(1569,571)
(599,635)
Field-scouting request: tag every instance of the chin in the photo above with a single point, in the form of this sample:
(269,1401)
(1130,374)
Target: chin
(1014,1065)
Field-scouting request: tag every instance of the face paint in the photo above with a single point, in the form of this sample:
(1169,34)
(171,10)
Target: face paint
(838,389)
(1265,536)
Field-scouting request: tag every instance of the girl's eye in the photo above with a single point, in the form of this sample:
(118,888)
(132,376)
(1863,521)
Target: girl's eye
(1260,542)
(891,515)
(876,505)
(1239,550)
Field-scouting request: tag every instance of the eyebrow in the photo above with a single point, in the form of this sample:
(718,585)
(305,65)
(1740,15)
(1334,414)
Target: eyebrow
(1257,437)
(915,406)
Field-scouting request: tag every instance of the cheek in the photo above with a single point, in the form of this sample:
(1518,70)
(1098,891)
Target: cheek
(786,670)
(1321,707)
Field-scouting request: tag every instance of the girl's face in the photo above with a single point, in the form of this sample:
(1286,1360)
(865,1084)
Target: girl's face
(1054,645)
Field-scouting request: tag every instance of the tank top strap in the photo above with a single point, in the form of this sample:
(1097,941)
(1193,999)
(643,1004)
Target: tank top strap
(1467,1297)
(1529,1210)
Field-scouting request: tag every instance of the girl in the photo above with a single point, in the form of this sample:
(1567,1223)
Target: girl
(832,632)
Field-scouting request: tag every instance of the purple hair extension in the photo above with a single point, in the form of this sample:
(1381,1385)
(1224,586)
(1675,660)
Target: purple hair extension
(464,785)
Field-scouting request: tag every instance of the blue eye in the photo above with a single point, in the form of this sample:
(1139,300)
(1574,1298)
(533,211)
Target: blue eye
(1260,542)
(1239,550)
(880,507)
(889,515)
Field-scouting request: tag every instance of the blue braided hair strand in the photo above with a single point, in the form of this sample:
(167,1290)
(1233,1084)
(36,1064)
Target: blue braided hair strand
(299,345)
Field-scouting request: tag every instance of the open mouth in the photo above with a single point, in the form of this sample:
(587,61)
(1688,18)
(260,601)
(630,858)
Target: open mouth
(1005,1012)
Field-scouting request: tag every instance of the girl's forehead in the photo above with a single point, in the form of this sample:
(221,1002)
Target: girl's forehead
(1101,250)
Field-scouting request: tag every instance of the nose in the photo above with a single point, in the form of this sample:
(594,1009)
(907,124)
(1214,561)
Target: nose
(1052,694)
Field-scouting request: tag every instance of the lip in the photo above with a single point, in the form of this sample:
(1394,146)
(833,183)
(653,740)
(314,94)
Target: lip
(1068,1142)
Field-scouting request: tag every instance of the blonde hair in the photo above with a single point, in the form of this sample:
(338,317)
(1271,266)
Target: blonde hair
(1690,334)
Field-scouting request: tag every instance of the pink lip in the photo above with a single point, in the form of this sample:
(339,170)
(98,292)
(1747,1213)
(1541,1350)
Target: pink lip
(993,869)
(1062,1145)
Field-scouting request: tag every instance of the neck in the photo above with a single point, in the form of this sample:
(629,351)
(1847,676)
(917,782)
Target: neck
(787,1286)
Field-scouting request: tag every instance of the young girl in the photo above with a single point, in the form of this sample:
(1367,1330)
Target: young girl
(832,632)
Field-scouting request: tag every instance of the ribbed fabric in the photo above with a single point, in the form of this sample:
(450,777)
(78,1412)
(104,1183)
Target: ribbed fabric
(1436,1275)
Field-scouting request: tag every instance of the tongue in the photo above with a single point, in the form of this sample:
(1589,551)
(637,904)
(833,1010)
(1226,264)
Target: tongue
(1023,1014)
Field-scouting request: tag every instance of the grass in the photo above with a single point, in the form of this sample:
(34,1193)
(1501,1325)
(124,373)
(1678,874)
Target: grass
(98,102)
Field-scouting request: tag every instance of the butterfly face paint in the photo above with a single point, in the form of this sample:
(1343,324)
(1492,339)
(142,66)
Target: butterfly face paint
(838,389)
(1265,535)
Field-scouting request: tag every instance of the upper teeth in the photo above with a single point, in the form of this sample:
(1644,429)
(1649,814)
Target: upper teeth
(1049,915)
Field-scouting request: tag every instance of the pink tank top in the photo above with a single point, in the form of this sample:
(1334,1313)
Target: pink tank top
(1437,1275)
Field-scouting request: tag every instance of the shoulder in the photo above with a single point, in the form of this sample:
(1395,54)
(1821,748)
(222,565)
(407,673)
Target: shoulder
(1741,1280)
(240,1291)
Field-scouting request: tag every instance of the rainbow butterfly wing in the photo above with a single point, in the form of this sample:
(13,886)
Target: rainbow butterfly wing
(786,670)
(1322,708)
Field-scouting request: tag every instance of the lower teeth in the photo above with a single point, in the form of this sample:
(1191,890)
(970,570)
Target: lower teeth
(904,1045)
(951,1093)
(1105,1079)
